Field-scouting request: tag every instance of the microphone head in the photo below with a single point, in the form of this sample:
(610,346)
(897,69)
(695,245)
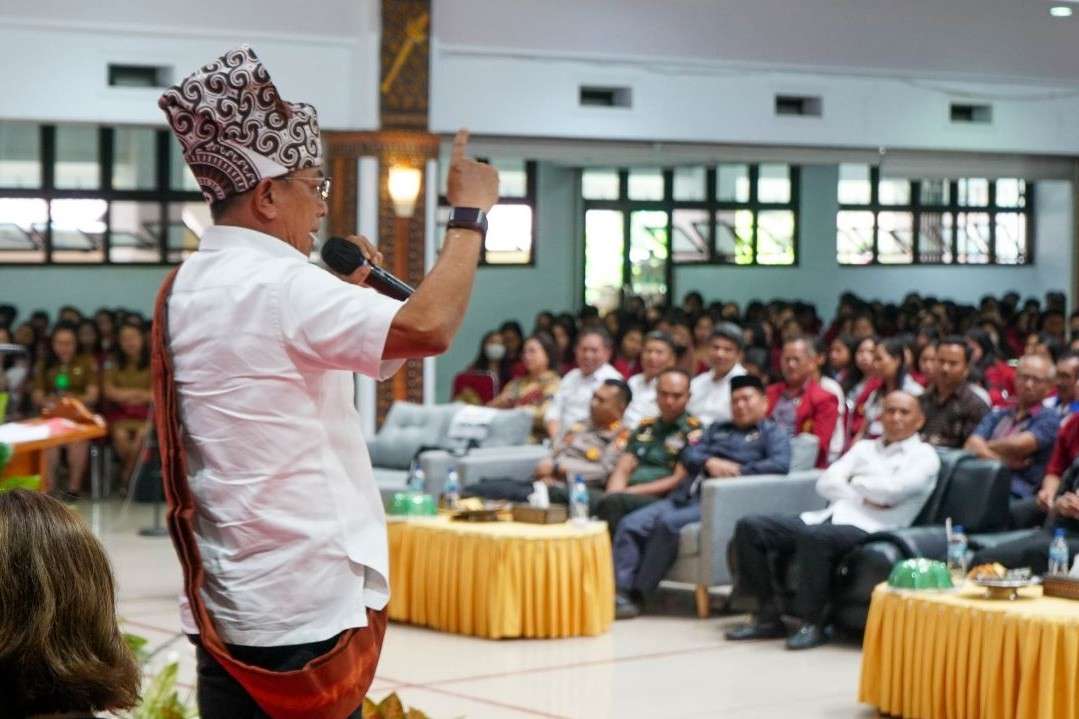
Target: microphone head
(342,256)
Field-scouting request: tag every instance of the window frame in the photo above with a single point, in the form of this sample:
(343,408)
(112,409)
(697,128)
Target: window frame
(162,195)
(916,208)
(530,200)
(711,205)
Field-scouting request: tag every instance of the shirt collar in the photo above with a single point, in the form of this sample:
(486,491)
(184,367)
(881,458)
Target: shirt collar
(899,446)
(229,237)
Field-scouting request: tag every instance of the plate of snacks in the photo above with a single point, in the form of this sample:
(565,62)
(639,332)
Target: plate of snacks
(1000,582)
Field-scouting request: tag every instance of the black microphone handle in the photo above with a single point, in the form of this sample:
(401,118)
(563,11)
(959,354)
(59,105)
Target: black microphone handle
(344,258)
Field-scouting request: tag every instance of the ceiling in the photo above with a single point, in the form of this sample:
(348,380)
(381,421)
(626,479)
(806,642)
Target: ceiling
(977,39)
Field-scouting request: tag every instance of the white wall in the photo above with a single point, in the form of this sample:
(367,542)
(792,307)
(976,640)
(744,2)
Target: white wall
(819,279)
(56,69)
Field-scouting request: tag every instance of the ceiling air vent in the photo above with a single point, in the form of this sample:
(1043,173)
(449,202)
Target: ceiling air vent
(139,75)
(799,105)
(972,114)
(594,96)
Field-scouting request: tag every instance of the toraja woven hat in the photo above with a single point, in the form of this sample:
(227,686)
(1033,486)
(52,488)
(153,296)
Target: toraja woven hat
(235,129)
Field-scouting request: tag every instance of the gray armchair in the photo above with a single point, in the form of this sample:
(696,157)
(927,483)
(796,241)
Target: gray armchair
(702,551)
(410,427)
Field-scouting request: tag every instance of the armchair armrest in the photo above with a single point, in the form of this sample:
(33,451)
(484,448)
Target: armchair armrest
(725,501)
(499,463)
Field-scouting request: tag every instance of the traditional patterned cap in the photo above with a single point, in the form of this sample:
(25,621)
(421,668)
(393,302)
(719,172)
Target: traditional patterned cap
(235,129)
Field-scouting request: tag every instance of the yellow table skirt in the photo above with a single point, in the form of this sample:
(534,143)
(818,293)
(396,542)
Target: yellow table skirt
(956,655)
(501,579)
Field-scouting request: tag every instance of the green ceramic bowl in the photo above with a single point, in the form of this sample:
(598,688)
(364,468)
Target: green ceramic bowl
(920,574)
(413,504)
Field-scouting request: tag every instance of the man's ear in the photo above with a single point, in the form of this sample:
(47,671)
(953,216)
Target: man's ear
(263,198)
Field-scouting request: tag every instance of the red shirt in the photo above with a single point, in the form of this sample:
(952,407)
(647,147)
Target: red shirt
(1065,448)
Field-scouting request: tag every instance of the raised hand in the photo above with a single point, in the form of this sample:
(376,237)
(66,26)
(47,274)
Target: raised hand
(470,183)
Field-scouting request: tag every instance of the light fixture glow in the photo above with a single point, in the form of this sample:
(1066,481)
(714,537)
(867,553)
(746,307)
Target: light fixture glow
(1060,11)
(404,187)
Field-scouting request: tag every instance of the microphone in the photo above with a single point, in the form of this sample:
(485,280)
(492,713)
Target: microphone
(344,258)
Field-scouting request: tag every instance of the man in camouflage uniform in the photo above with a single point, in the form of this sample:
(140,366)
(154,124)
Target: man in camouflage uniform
(588,449)
(645,471)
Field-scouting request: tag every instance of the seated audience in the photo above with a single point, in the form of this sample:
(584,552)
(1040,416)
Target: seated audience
(864,354)
(535,390)
(925,364)
(564,333)
(90,342)
(630,346)
(64,372)
(106,329)
(710,392)
(128,396)
(840,364)
(1022,435)
(952,410)
(1057,498)
(646,470)
(839,434)
(480,382)
(1046,345)
(657,356)
(61,651)
(14,371)
(685,353)
(704,327)
(570,403)
(588,449)
(544,322)
(799,404)
(988,370)
(878,485)
(646,541)
(889,374)
(513,340)
(756,362)
(1065,399)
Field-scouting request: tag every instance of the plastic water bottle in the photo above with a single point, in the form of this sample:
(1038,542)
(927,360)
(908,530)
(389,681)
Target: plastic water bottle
(578,501)
(451,491)
(417,479)
(957,555)
(1058,554)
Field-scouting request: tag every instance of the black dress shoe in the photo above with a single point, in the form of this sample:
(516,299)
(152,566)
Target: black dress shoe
(624,607)
(808,637)
(756,630)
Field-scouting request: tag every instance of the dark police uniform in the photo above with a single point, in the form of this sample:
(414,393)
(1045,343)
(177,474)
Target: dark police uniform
(646,541)
(657,445)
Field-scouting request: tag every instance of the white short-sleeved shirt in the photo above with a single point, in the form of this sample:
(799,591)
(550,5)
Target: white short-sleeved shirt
(289,520)
(571,403)
(644,403)
(710,398)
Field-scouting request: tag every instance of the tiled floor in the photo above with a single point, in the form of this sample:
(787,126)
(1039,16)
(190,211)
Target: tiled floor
(671,665)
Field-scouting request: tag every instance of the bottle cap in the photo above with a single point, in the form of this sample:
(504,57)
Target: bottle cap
(1058,533)
(957,529)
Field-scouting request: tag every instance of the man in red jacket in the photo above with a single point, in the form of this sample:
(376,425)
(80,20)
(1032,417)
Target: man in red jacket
(798,403)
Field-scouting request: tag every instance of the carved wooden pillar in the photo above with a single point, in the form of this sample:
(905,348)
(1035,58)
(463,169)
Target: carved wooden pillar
(403,140)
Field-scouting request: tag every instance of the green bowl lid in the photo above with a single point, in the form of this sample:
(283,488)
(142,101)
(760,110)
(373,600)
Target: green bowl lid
(920,573)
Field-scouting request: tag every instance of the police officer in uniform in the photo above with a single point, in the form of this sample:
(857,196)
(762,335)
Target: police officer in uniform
(645,471)
(588,449)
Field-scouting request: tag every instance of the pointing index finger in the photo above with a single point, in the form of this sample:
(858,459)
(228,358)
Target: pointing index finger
(460,140)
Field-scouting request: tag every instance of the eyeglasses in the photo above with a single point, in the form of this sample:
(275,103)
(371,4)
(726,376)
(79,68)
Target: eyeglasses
(322,184)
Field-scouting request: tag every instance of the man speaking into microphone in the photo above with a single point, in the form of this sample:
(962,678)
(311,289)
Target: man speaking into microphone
(273,507)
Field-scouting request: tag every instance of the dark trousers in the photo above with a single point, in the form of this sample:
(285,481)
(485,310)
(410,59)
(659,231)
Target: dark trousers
(613,507)
(646,544)
(1025,513)
(517,490)
(1030,551)
(814,548)
(221,697)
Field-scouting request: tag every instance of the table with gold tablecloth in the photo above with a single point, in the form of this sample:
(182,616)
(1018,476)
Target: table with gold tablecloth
(501,579)
(953,655)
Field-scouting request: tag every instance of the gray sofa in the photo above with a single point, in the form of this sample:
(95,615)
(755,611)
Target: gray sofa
(702,554)
(409,428)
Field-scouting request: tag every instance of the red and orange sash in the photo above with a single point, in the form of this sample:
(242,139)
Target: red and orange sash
(331,686)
